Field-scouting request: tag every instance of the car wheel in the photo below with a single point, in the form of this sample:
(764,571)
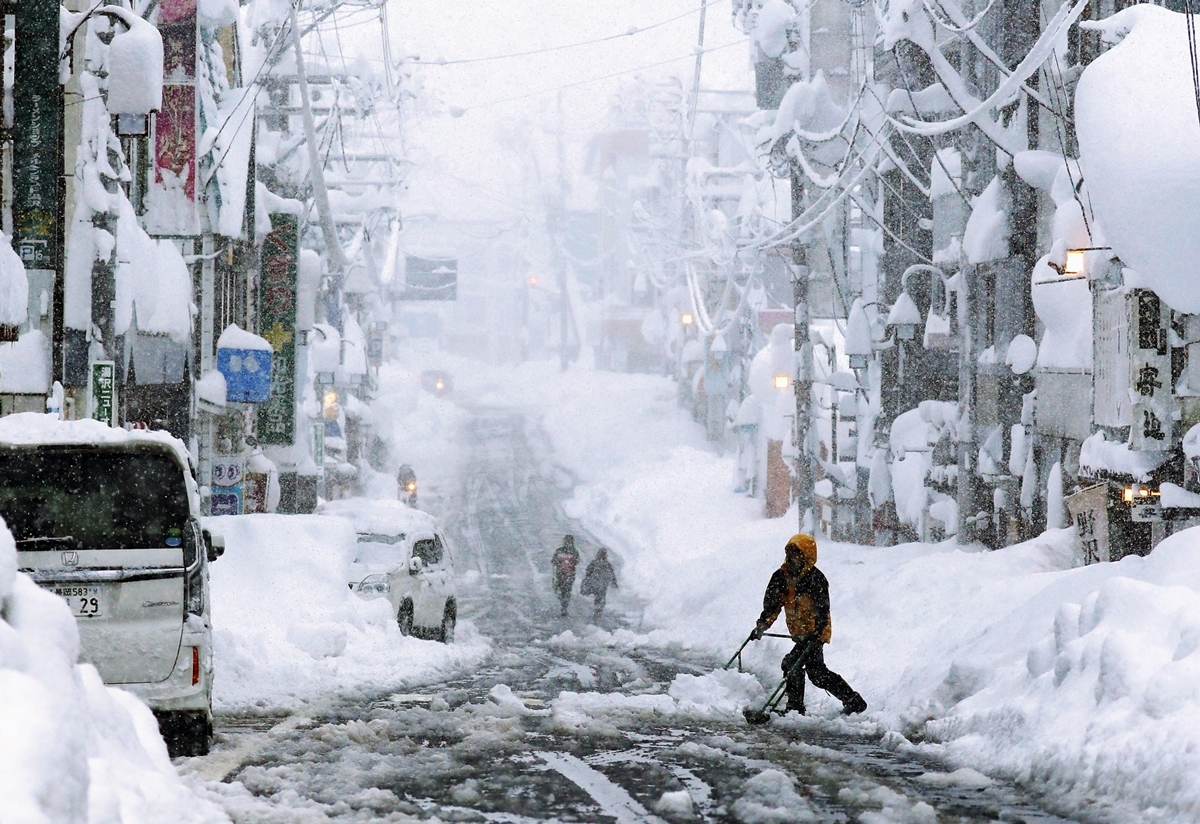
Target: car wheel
(404,617)
(449,621)
(186,734)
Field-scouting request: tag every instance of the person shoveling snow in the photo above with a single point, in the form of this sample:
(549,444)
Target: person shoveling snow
(802,592)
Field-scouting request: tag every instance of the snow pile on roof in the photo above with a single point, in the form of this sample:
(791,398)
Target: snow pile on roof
(269,655)
(135,68)
(14,285)
(153,282)
(235,337)
(389,517)
(1100,457)
(1139,141)
(72,749)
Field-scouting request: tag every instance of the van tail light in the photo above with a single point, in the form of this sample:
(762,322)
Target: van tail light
(195,666)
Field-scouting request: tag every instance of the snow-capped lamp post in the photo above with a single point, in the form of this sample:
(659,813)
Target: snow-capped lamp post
(860,344)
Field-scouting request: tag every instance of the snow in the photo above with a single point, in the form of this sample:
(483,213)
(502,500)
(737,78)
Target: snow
(1022,354)
(235,337)
(770,29)
(25,364)
(72,749)
(1065,309)
(1136,119)
(270,656)
(986,236)
(212,390)
(325,348)
(229,139)
(945,172)
(14,285)
(1016,663)
(1176,497)
(135,69)
(1100,456)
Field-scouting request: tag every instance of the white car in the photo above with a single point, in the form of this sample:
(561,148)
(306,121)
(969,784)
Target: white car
(402,555)
(109,521)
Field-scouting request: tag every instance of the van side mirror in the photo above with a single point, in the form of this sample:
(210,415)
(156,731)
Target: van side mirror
(214,545)
(415,565)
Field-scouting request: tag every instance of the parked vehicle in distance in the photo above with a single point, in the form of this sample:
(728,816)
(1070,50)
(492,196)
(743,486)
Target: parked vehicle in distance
(109,521)
(402,555)
(438,382)
(406,485)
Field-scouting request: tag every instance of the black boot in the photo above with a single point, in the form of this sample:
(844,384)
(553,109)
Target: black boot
(854,705)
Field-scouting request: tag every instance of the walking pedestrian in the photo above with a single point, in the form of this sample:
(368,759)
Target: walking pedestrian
(598,577)
(802,592)
(563,562)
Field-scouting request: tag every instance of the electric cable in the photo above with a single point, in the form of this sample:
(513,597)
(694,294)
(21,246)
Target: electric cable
(632,31)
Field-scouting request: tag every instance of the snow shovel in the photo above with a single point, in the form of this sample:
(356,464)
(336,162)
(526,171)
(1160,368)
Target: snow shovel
(763,715)
(737,656)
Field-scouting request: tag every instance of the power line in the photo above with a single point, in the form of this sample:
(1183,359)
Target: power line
(632,31)
(602,77)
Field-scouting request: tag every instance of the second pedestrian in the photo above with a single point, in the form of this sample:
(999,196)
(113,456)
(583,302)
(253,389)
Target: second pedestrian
(599,576)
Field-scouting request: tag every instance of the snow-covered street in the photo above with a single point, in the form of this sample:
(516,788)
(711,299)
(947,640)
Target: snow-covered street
(566,720)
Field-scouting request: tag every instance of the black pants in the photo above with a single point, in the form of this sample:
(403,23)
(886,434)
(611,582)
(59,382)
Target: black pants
(599,597)
(562,586)
(821,676)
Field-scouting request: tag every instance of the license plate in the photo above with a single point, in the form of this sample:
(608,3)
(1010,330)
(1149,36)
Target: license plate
(85,602)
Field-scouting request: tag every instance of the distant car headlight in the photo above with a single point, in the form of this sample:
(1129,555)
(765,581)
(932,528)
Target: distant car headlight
(374,586)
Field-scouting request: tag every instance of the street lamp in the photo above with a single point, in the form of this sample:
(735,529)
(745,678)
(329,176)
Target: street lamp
(782,381)
(905,317)
(687,319)
(1074,267)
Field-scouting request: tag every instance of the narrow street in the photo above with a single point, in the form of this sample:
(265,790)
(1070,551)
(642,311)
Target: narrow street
(497,745)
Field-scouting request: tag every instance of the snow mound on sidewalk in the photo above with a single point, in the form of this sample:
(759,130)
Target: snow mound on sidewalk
(288,630)
(72,749)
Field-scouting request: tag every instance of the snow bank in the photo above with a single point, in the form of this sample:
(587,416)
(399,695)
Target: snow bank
(1083,682)
(287,629)
(1135,114)
(25,364)
(72,749)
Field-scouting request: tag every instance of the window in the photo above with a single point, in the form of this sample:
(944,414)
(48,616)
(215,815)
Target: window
(92,497)
(429,550)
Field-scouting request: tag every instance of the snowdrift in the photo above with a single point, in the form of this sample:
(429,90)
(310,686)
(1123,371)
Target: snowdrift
(287,629)
(1083,682)
(72,749)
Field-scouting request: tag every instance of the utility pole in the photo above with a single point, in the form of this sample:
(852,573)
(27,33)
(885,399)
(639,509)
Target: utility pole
(803,361)
(333,244)
(556,220)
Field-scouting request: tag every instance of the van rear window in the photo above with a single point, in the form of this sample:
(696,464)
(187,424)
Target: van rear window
(70,497)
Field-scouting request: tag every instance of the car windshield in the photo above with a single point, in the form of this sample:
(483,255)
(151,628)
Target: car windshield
(92,498)
(429,550)
(377,549)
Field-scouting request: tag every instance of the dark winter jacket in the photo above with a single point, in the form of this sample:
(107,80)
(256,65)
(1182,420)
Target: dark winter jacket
(599,576)
(564,561)
(804,599)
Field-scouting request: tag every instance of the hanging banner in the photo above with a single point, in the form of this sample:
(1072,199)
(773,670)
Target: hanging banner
(36,153)
(276,419)
(171,198)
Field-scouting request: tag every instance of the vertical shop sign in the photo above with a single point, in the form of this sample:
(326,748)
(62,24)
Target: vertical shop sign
(1150,373)
(102,388)
(36,153)
(276,419)
(172,191)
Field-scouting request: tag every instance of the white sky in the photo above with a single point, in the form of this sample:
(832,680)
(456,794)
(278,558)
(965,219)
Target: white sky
(478,164)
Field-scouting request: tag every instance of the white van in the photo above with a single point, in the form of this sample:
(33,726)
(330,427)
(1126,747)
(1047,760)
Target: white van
(402,555)
(108,520)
